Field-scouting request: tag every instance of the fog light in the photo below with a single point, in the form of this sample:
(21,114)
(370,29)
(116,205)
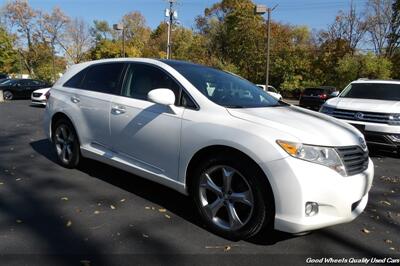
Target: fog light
(311,208)
(394,138)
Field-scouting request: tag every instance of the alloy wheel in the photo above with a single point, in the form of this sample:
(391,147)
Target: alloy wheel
(64,142)
(226,197)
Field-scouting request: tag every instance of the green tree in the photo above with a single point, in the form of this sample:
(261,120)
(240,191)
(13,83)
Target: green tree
(8,56)
(352,67)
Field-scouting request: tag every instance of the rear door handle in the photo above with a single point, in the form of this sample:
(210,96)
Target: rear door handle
(117,110)
(75,100)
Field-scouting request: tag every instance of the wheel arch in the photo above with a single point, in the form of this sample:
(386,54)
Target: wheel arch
(61,115)
(208,151)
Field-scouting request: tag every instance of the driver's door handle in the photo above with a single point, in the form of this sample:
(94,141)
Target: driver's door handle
(117,110)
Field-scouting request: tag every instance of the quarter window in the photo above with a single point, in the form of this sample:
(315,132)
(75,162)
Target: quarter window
(76,81)
(103,78)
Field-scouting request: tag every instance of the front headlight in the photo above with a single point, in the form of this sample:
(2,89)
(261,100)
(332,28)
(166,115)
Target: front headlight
(394,119)
(321,155)
(327,110)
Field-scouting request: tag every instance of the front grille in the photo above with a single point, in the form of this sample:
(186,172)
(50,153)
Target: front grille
(361,116)
(35,94)
(354,158)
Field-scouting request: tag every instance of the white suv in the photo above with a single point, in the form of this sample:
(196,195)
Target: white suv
(249,161)
(372,106)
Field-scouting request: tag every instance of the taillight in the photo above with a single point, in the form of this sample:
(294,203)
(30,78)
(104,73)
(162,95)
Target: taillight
(323,96)
(47,95)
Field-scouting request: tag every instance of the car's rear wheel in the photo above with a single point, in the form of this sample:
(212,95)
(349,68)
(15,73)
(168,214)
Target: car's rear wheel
(233,197)
(66,143)
(8,95)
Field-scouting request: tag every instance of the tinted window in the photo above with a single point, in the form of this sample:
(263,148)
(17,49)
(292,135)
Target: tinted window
(103,77)
(142,78)
(76,81)
(187,101)
(224,88)
(313,91)
(375,91)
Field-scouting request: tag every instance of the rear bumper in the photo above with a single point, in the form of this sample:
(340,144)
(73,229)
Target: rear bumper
(295,182)
(314,104)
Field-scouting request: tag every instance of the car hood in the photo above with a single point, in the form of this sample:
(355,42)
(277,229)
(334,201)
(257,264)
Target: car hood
(366,105)
(44,90)
(305,126)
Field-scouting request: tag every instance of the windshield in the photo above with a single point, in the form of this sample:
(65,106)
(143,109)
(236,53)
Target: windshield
(374,91)
(223,88)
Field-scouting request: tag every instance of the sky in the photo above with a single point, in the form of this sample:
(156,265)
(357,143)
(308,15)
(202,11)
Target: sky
(316,14)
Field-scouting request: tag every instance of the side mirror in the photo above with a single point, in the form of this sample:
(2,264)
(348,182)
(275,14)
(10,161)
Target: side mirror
(161,96)
(334,94)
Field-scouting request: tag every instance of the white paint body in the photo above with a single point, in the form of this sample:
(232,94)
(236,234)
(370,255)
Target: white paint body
(41,99)
(157,142)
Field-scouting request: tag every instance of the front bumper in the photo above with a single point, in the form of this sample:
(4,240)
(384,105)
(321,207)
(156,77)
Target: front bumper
(379,134)
(295,182)
(38,100)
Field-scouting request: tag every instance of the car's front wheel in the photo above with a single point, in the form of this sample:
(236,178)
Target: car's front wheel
(233,197)
(66,143)
(8,95)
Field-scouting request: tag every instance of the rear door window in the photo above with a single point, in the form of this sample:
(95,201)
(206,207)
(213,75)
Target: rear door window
(103,78)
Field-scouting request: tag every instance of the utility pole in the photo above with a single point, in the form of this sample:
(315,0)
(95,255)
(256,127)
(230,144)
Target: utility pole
(171,14)
(121,27)
(51,42)
(261,10)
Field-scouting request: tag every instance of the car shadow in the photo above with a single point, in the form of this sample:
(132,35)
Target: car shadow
(37,106)
(175,202)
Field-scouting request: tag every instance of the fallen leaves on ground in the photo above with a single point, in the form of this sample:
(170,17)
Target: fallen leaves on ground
(388,241)
(226,248)
(96,212)
(385,202)
(145,236)
(389,179)
(112,207)
(162,210)
(122,200)
(365,231)
(167,216)
(69,223)
(64,198)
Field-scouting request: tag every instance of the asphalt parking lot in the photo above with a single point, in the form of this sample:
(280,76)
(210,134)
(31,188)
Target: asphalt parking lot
(98,215)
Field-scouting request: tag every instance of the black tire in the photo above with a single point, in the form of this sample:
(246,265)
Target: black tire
(68,151)
(8,95)
(263,211)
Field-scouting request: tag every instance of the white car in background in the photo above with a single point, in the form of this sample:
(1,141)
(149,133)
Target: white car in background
(271,91)
(373,107)
(38,97)
(249,161)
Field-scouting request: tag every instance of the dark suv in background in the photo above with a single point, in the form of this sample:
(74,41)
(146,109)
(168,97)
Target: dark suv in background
(313,98)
